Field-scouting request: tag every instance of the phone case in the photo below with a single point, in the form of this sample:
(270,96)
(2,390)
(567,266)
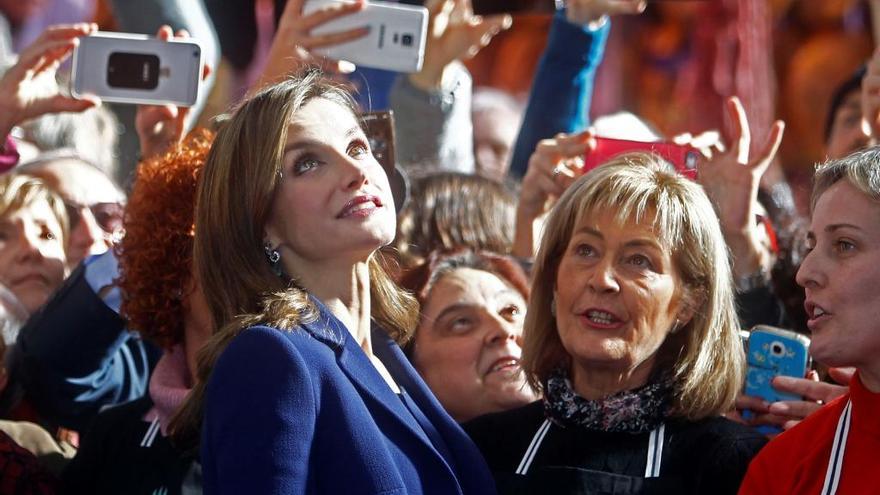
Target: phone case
(396,40)
(682,157)
(773,352)
(132,68)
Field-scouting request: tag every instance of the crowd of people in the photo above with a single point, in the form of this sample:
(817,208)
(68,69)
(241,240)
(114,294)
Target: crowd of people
(291,302)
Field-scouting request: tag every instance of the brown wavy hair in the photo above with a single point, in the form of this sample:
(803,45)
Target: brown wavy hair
(156,254)
(233,204)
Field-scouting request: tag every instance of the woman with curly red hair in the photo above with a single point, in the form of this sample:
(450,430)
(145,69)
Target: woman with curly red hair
(161,299)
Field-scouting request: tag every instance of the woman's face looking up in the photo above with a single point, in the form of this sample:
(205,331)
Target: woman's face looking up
(333,202)
(467,346)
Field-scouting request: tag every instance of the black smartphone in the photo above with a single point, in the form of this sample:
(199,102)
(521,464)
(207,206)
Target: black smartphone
(379,128)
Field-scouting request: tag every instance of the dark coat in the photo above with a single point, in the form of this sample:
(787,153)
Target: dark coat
(701,457)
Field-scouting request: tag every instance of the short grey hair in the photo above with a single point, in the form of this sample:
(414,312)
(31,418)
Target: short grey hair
(861,168)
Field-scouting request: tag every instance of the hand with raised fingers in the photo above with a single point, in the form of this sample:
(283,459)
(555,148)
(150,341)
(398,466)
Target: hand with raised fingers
(553,167)
(159,127)
(454,33)
(591,12)
(28,89)
(293,46)
(731,181)
(871,95)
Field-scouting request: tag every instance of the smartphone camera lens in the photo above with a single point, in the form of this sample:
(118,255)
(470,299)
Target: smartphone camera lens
(777,349)
(406,40)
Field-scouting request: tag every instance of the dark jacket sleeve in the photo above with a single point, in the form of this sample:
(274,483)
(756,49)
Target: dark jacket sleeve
(725,466)
(562,89)
(75,356)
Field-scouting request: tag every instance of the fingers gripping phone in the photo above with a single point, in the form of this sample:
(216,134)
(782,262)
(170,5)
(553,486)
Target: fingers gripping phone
(395,42)
(773,352)
(132,68)
(682,157)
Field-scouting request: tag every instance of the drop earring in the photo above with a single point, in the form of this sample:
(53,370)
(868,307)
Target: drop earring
(273,257)
(553,306)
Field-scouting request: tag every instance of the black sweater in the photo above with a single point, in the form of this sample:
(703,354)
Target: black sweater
(704,457)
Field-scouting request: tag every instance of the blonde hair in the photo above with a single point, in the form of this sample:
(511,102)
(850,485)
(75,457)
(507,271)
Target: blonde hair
(234,198)
(861,168)
(18,191)
(704,359)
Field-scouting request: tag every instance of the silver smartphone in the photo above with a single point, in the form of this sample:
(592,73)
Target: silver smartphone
(132,68)
(396,40)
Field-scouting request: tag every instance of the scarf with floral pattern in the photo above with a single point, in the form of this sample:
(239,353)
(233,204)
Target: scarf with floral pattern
(631,411)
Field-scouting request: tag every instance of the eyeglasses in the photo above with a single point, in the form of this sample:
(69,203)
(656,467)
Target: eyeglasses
(108,216)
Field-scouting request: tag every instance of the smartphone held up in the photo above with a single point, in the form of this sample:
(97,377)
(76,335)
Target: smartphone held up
(132,68)
(395,40)
(682,157)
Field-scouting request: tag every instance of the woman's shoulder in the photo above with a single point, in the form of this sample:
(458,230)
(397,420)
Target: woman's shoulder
(718,432)
(502,437)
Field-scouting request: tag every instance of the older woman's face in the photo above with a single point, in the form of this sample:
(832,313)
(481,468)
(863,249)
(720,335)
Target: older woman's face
(32,256)
(617,297)
(333,201)
(467,347)
(840,275)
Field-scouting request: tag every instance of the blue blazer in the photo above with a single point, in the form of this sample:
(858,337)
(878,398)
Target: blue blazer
(305,411)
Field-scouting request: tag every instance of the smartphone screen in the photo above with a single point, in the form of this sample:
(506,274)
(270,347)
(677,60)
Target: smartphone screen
(682,157)
(490,7)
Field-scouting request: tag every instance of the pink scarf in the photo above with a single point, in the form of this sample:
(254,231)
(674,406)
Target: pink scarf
(169,386)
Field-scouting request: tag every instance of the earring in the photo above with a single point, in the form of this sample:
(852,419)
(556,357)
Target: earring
(676,327)
(553,305)
(273,257)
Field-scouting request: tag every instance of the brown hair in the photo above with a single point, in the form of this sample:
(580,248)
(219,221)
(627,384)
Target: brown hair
(704,359)
(156,253)
(422,278)
(450,210)
(234,199)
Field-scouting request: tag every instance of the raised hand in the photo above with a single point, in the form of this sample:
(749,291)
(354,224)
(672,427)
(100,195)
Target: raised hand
(28,89)
(871,95)
(553,167)
(293,45)
(731,181)
(454,33)
(161,126)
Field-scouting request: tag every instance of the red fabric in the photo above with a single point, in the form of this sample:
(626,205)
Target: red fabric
(20,472)
(796,461)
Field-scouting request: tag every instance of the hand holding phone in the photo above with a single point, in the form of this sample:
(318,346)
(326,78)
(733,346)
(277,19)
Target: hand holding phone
(774,352)
(28,88)
(553,167)
(132,68)
(682,157)
(454,33)
(395,38)
(159,127)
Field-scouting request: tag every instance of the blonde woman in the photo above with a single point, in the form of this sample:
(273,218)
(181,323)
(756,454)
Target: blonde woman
(631,335)
(303,388)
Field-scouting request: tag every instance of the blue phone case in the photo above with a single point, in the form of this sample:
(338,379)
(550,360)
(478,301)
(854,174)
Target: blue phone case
(773,352)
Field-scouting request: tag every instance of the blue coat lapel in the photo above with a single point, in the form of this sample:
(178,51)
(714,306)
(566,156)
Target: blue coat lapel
(354,362)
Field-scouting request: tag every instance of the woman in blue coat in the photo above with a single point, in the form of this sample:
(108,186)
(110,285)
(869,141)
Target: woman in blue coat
(303,388)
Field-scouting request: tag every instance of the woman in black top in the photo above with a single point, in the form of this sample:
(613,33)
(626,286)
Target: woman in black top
(631,334)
